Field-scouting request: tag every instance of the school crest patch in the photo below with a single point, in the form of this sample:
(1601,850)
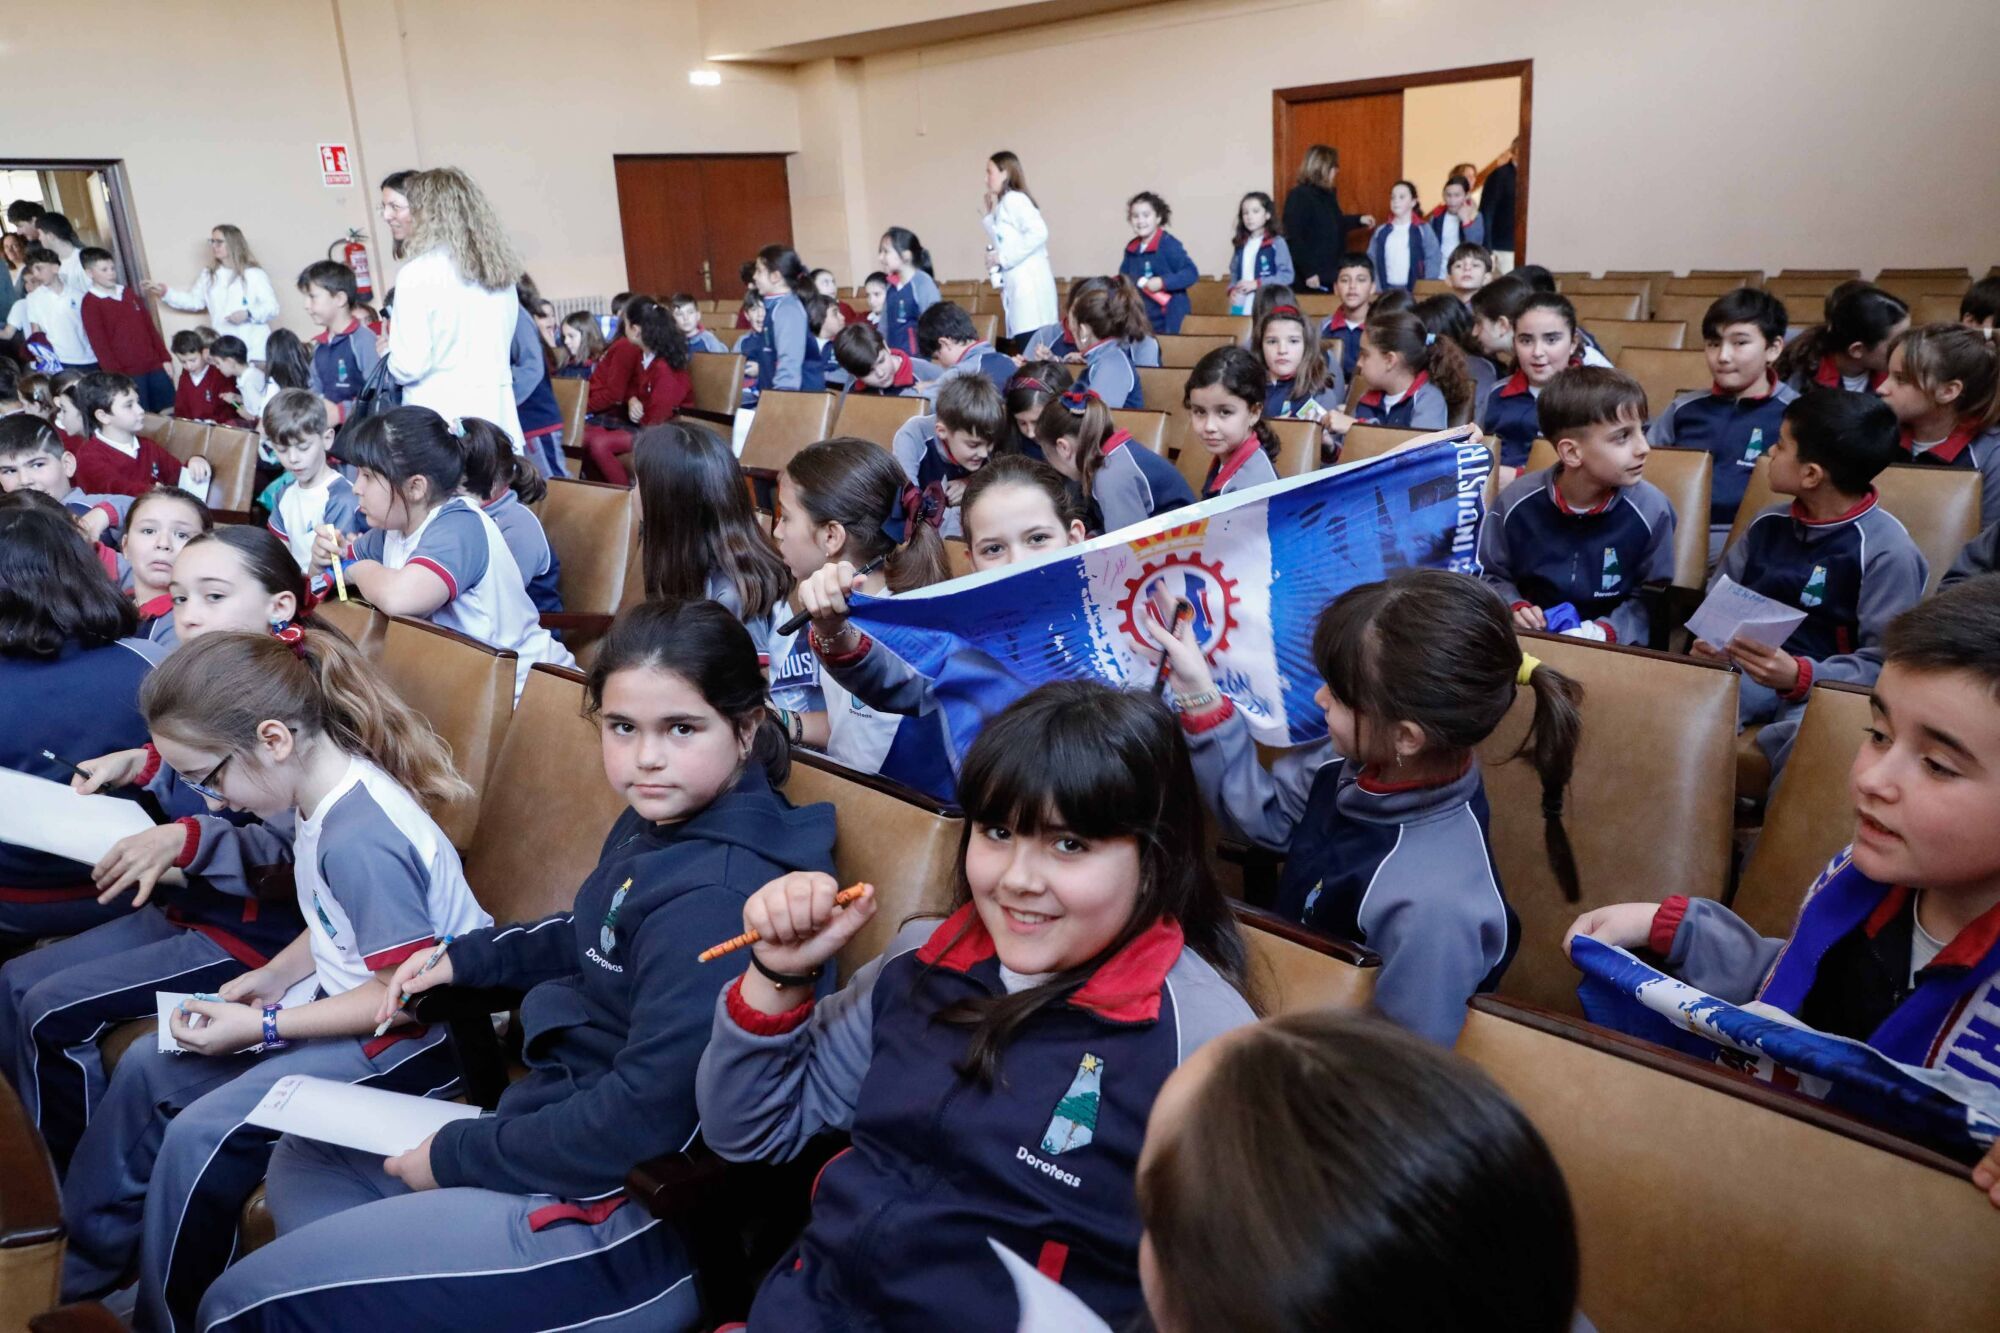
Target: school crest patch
(607,940)
(1075,1121)
(1815,589)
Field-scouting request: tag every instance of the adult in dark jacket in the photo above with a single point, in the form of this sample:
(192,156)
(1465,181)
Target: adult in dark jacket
(1313,222)
(1496,201)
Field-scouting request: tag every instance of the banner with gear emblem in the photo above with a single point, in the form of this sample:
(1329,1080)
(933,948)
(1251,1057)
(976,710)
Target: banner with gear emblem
(1256,566)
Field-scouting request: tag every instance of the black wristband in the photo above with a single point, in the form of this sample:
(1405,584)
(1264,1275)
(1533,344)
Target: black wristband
(784,979)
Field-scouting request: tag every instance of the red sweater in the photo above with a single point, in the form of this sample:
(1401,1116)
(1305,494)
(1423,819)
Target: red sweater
(661,391)
(123,333)
(611,379)
(103,470)
(203,401)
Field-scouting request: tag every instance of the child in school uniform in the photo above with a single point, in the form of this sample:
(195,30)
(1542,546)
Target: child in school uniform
(1832,552)
(944,449)
(1260,254)
(846,500)
(583,343)
(71,664)
(1266,1203)
(428,551)
(994,1070)
(1469,267)
(1017,508)
(1736,421)
(1120,481)
(687,318)
(1849,348)
(822,369)
(1225,403)
(157,526)
(873,365)
(1404,249)
(503,484)
(296,426)
(1384,822)
(528,361)
(1157,263)
(660,388)
(612,378)
(1944,387)
(114,457)
(234,910)
(1590,533)
(49,315)
(199,392)
(1449,319)
(1456,221)
(1029,392)
(297,728)
(752,347)
(947,338)
(1104,320)
(699,536)
(876,287)
(1417,381)
(909,288)
(122,331)
(1894,944)
(34,458)
(522,1214)
(1354,284)
(343,351)
(1304,383)
(1545,343)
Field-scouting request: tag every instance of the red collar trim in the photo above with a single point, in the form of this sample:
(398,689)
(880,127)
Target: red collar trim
(1136,246)
(1892,904)
(1234,463)
(1339,320)
(1954,444)
(1124,989)
(163,605)
(1827,375)
(906,374)
(1116,440)
(1375,397)
(1751,394)
(1971,944)
(1564,506)
(1516,385)
(1867,503)
(1367,780)
(898,279)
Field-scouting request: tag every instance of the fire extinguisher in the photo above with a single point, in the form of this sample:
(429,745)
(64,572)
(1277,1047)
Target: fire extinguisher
(354,253)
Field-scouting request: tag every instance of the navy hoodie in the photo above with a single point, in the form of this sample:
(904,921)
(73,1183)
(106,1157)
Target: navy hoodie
(619,1011)
(1165,258)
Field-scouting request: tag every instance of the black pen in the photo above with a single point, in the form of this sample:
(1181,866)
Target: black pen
(798,622)
(145,800)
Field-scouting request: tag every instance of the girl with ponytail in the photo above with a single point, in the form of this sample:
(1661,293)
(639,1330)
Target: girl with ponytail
(1944,387)
(1384,822)
(850,521)
(1225,403)
(1849,349)
(906,266)
(295,726)
(1303,381)
(1416,379)
(503,484)
(1123,482)
(1106,320)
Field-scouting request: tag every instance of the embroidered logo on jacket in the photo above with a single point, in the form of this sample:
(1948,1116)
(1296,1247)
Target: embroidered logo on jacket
(607,939)
(1614,575)
(1075,1120)
(1815,589)
(1754,450)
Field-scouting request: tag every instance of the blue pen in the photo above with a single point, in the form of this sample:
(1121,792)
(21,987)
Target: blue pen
(404,999)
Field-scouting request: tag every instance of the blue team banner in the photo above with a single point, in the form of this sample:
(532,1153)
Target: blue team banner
(1940,1108)
(1257,566)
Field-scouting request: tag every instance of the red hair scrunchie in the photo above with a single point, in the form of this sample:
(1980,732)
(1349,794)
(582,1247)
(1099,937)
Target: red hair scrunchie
(292,637)
(1077,400)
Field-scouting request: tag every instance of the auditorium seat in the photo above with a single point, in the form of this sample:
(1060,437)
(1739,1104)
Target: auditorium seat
(1147,427)
(1938,506)
(1292,969)
(1711,287)
(1427,287)
(1666,373)
(1615,335)
(1804,293)
(1810,815)
(1645,285)
(1953,274)
(1707,1202)
(987,326)
(1366,441)
(1320,305)
(785,423)
(184,439)
(31,1225)
(1650,808)
(1735,277)
(573,400)
(360,622)
(154,427)
(1165,390)
(1689,310)
(1181,350)
(232,454)
(715,384)
(874,417)
(1222,326)
(1298,446)
(1209,296)
(1912,288)
(1684,476)
(729,337)
(591,526)
(1935,309)
(1609,305)
(466,689)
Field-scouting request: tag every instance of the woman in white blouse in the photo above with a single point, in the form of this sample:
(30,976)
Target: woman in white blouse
(455,310)
(1017,247)
(235,292)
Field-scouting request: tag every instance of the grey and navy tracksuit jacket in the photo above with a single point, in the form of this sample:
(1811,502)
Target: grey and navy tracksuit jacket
(910,294)
(1161,256)
(916,447)
(1968,447)
(1108,372)
(1132,484)
(1043,1161)
(1734,430)
(1403,869)
(1980,556)
(1537,551)
(1422,406)
(1513,413)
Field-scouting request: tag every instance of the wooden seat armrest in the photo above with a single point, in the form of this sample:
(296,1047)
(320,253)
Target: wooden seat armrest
(678,1186)
(85,1317)
(585,622)
(1347,951)
(467,1013)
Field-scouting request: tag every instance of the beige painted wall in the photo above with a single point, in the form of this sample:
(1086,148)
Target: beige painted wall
(1449,123)
(1698,133)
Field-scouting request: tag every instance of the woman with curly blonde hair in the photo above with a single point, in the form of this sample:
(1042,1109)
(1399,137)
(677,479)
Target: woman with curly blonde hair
(234,290)
(455,308)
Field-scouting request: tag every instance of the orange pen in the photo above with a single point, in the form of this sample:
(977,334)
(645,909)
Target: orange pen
(749,937)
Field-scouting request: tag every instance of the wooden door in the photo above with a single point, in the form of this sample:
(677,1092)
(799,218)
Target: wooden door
(1367,130)
(689,221)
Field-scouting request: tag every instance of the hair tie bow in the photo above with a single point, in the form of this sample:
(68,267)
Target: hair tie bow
(1077,400)
(1527,671)
(915,506)
(1430,338)
(457,427)
(294,638)
(1030,382)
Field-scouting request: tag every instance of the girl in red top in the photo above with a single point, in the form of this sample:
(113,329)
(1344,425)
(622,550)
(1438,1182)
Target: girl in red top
(660,388)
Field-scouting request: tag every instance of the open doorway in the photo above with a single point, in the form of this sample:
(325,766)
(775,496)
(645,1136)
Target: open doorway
(1416,127)
(93,195)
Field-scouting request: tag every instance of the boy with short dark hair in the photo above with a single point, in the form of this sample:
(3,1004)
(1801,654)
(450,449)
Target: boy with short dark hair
(198,392)
(1572,547)
(1736,421)
(1833,552)
(1470,267)
(946,336)
(343,351)
(115,459)
(1979,308)
(824,322)
(687,318)
(945,449)
(1354,284)
(34,458)
(122,331)
(231,357)
(297,428)
(875,366)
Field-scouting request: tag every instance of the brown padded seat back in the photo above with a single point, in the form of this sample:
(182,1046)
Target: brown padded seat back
(232,453)
(573,401)
(1690,310)
(1665,373)
(1292,969)
(547,807)
(1148,427)
(1809,817)
(1298,446)
(1938,506)
(589,526)
(1365,441)
(184,439)
(875,417)
(1645,285)
(31,1225)
(1615,335)
(1179,351)
(1706,1203)
(1226,326)
(786,423)
(1609,305)
(360,622)
(1649,810)
(901,841)
(715,383)
(466,689)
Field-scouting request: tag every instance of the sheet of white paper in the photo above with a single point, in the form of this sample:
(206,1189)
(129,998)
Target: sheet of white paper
(1730,609)
(50,817)
(1046,1307)
(365,1119)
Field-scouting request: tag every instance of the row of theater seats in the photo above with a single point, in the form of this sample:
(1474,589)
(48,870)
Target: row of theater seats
(1705,1200)
(230,450)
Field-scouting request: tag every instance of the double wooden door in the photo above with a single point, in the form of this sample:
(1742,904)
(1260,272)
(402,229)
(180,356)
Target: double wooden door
(691,220)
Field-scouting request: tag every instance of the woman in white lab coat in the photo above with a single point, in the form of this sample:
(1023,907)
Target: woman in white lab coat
(234,291)
(452,324)
(1017,247)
